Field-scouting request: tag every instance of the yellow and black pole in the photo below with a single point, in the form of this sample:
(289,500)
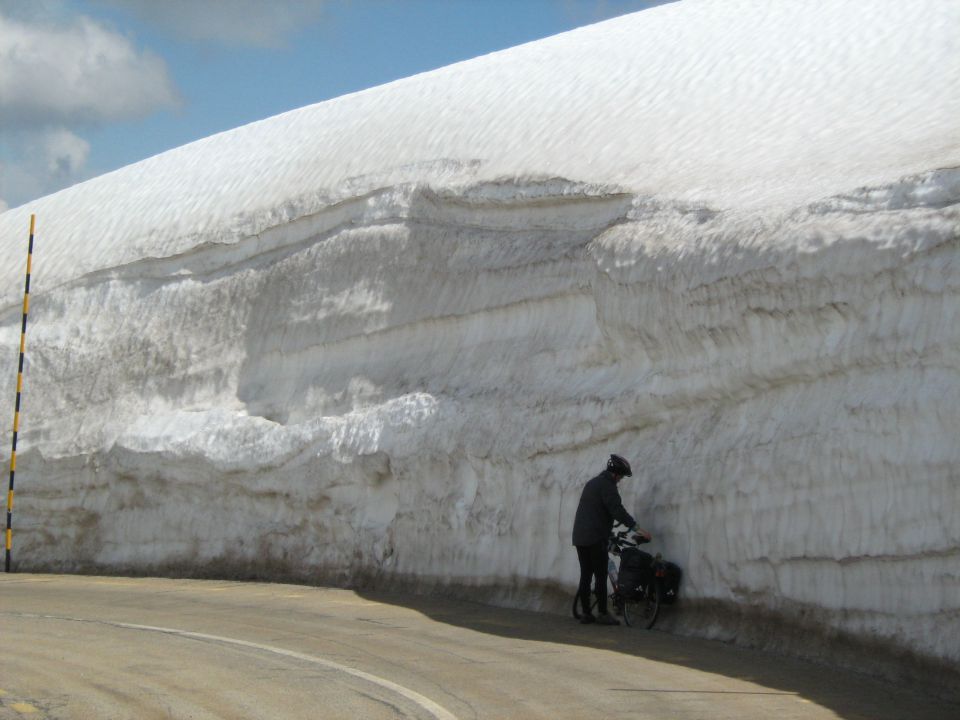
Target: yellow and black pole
(16,412)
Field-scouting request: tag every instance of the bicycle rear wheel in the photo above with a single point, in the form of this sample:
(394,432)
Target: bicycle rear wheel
(643,611)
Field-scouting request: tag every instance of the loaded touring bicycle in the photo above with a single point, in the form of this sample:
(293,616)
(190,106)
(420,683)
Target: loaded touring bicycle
(641,585)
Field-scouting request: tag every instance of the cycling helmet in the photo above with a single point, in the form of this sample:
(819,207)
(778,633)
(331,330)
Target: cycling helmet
(618,465)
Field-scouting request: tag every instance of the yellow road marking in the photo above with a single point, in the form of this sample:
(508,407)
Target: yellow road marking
(23,708)
(354,603)
(604,641)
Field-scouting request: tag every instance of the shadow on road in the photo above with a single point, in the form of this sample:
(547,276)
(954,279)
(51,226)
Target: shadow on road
(850,695)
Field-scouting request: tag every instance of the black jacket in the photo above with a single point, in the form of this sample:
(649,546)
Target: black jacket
(600,505)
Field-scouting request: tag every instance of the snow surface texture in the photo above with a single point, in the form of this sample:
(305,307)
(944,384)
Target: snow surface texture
(387,338)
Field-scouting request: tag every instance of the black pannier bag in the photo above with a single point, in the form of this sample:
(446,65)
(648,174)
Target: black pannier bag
(671,583)
(635,572)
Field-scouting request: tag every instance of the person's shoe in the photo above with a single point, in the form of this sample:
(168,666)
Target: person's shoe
(587,619)
(605,619)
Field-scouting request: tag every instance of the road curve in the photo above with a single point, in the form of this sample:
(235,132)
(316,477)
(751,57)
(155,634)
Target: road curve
(97,647)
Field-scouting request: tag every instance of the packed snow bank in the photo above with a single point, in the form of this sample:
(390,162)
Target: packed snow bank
(388,337)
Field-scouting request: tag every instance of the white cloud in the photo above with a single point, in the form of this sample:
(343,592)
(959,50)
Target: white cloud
(60,74)
(77,74)
(64,154)
(232,22)
(46,160)
(19,181)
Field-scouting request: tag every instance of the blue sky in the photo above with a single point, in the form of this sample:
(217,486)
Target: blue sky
(87,86)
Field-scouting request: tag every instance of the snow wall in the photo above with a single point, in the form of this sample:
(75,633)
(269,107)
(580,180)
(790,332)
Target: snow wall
(383,341)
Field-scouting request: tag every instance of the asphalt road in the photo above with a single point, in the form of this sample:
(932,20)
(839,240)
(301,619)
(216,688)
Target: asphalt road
(97,647)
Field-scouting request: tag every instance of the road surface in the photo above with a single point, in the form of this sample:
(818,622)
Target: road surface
(99,647)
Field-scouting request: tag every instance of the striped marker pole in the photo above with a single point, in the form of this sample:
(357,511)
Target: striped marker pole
(16,412)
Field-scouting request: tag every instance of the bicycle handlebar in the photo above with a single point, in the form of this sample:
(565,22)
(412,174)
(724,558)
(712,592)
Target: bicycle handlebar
(620,539)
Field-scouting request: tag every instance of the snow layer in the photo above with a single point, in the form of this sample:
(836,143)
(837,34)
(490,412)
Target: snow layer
(386,338)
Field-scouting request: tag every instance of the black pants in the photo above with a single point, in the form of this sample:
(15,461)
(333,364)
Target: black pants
(593,564)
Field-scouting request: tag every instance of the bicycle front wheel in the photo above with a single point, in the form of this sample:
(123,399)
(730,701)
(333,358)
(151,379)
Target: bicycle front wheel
(643,611)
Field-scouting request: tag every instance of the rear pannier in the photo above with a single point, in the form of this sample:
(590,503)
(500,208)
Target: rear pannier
(670,583)
(635,572)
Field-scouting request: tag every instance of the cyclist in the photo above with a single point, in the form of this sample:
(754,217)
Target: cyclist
(600,505)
